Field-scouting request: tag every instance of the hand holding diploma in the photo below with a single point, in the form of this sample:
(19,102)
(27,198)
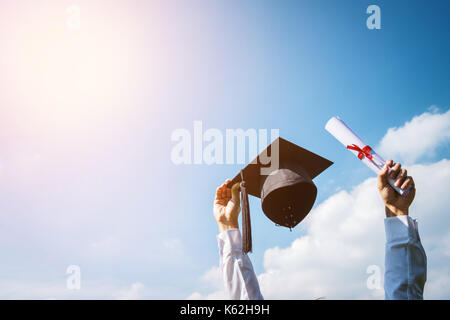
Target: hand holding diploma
(396,204)
(365,153)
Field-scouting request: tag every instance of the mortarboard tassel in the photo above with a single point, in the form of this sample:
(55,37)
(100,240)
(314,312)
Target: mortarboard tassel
(246,225)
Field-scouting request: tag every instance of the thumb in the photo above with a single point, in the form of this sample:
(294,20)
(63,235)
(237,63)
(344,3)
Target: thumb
(383,175)
(235,193)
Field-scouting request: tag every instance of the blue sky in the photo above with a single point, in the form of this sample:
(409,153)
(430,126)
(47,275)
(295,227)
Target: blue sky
(85,171)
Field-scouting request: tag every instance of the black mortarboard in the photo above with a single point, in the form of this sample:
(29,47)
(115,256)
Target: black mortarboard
(283,181)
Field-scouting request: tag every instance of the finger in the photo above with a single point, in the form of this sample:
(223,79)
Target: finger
(408,182)
(235,192)
(226,183)
(395,170)
(383,174)
(220,189)
(401,177)
(228,193)
(218,196)
(389,163)
(224,191)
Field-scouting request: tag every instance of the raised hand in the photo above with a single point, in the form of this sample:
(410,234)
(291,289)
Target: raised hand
(227,206)
(396,204)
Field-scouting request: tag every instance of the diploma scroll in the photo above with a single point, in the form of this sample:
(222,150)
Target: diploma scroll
(351,141)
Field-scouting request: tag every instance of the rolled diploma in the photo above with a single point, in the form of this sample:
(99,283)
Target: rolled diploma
(347,137)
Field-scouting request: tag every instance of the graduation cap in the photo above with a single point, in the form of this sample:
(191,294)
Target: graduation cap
(282,177)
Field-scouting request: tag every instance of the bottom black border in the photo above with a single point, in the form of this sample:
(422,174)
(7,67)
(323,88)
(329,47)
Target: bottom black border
(220,309)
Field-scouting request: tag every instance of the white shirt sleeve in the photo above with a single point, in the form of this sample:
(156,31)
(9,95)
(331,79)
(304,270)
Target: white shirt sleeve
(237,270)
(405,261)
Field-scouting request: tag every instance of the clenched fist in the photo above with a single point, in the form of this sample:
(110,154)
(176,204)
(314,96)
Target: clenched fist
(227,206)
(396,204)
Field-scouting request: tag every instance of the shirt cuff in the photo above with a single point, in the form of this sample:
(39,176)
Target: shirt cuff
(229,240)
(401,228)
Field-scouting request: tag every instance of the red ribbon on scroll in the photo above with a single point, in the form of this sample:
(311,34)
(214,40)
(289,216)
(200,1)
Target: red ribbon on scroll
(364,152)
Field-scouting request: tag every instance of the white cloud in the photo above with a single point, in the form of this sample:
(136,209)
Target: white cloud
(417,138)
(345,233)
(132,293)
(104,289)
(50,290)
(212,280)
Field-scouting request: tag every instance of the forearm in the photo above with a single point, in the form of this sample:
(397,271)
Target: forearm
(239,277)
(406,263)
